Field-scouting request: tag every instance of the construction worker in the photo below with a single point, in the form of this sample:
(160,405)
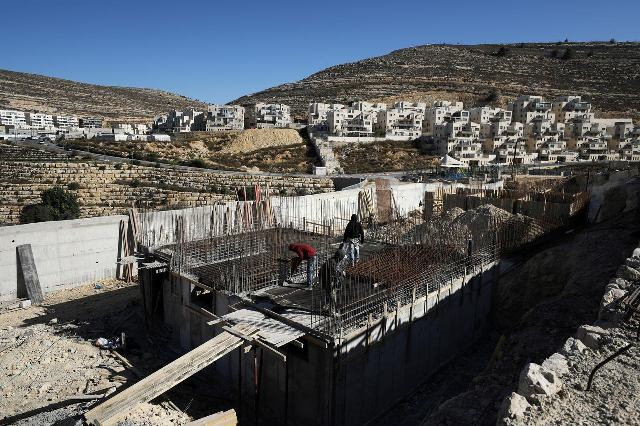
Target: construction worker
(304,252)
(331,277)
(353,237)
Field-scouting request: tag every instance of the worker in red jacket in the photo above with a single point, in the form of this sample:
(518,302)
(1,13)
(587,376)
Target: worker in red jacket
(304,252)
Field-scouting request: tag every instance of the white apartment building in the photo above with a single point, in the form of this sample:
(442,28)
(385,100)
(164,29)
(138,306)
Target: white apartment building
(514,151)
(441,111)
(350,122)
(267,116)
(91,122)
(370,107)
(39,120)
(12,118)
(65,121)
(225,117)
(179,121)
(318,114)
(631,152)
(485,114)
(625,130)
(527,108)
(396,122)
(132,128)
(568,108)
(410,106)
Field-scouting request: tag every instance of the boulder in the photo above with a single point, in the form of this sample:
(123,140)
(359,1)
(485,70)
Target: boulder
(557,363)
(633,263)
(572,346)
(636,253)
(591,336)
(618,283)
(536,380)
(627,273)
(611,298)
(512,407)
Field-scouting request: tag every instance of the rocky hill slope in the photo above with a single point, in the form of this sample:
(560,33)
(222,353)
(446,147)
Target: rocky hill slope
(32,92)
(604,72)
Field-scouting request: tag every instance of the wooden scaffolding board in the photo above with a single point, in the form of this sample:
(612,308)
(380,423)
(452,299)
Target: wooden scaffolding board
(110,411)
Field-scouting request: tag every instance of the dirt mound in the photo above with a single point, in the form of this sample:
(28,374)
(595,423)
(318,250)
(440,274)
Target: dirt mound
(253,140)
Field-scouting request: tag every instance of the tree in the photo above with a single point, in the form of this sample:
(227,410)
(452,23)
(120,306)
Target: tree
(612,41)
(56,204)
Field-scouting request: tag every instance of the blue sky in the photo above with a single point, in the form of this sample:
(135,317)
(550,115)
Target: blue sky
(216,51)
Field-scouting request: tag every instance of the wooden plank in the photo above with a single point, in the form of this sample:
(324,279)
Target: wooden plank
(30,274)
(216,419)
(309,336)
(109,412)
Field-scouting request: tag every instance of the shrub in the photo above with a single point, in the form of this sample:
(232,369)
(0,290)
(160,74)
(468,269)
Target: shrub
(555,53)
(612,41)
(197,162)
(590,54)
(503,51)
(493,95)
(73,186)
(134,183)
(135,163)
(57,204)
(37,213)
(568,54)
(251,193)
(102,168)
(117,166)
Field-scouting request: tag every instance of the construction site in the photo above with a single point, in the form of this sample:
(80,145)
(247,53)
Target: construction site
(422,293)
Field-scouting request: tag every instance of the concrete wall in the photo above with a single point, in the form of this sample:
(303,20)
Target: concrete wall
(66,253)
(362,375)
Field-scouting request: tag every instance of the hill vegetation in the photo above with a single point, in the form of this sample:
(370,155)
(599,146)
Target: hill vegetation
(603,72)
(32,92)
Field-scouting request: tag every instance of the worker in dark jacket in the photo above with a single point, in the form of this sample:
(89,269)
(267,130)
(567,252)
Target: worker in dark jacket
(353,237)
(331,277)
(304,252)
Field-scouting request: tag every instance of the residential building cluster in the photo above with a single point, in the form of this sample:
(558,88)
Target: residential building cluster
(225,117)
(530,129)
(20,124)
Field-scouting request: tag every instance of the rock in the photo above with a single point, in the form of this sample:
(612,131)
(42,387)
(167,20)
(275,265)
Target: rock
(636,253)
(591,336)
(25,303)
(572,346)
(618,283)
(537,380)
(633,263)
(53,321)
(557,363)
(611,297)
(513,407)
(627,273)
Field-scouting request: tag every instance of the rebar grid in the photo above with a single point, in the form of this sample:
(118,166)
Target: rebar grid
(242,248)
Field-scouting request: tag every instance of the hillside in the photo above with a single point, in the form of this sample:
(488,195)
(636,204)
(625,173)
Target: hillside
(32,92)
(605,73)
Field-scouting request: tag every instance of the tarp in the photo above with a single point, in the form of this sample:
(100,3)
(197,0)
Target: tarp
(448,161)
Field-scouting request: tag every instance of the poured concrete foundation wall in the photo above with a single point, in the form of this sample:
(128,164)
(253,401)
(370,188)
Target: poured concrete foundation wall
(357,378)
(67,253)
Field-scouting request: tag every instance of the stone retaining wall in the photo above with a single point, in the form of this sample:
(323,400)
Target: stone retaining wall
(558,390)
(106,190)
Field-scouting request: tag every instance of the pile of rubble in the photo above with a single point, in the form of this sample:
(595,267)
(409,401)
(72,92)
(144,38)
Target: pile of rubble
(459,225)
(565,389)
